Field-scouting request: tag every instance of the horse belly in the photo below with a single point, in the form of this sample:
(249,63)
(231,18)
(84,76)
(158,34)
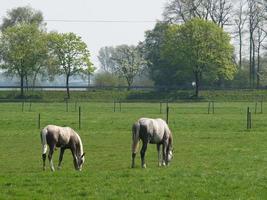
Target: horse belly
(62,141)
(156,139)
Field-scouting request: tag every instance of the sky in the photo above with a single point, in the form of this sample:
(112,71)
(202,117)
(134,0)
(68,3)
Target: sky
(96,34)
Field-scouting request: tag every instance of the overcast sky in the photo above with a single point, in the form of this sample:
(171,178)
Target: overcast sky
(97,34)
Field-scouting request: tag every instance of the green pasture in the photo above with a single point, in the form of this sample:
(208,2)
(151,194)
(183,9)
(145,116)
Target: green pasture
(216,157)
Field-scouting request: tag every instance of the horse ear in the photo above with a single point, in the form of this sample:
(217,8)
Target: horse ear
(83,155)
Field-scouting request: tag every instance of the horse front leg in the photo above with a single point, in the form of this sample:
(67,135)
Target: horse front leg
(50,155)
(159,157)
(143,151)
(62,150)
(75,159)
(164,154)
(133,159)
(44,158)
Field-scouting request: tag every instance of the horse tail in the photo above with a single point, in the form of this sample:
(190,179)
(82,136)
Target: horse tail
(135,137)
(43,140)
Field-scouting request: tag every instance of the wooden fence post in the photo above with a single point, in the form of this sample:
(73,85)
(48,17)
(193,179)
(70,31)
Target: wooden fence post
(167,115)
(248,119)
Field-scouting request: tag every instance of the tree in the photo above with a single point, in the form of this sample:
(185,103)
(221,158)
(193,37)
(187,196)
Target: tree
(255,11)
(71,54)
(183,10)
(128,62)
(239,22)
(105,59)
(161,70)
(203,48)
(23,50)
(22,15)
(260,37)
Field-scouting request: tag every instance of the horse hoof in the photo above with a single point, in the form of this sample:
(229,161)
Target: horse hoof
(144,166)
(59,168)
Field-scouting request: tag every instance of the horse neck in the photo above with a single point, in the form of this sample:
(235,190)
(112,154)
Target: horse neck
(79,145)
(170,140)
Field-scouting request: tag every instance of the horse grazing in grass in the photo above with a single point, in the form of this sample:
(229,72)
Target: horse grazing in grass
(65,138)
(154,131)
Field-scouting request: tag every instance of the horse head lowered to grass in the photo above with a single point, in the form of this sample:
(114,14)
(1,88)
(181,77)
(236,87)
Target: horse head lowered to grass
(154,131)
(65,138)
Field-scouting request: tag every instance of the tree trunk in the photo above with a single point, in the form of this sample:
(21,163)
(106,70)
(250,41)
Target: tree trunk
(197,84)
(240,50)
(258,66)
(129,82)
(21,86)
(253,63)
(250,60)
(67,86)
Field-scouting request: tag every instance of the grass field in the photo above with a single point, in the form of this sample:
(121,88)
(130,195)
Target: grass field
(215,156)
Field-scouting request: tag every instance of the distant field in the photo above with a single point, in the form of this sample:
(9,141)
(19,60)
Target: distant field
(215,156)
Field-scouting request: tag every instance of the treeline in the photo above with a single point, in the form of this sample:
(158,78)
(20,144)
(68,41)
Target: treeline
(27,50)
(200,43)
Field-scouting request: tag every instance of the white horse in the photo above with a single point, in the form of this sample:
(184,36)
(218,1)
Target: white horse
(65,138)
(154,131)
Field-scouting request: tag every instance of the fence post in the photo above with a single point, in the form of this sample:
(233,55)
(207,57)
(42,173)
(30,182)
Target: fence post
(248,119)
(114,106)
(79,117)
(209,108)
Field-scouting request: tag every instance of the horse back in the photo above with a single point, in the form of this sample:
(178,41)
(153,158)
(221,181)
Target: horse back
(152,130)
(60,136)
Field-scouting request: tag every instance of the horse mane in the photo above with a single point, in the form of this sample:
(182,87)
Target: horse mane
(79,144)
(170,139)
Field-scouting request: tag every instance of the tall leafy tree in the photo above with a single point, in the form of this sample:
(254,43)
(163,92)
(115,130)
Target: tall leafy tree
(218,11)
(105,59)
(71,54)
(162,70)
(23,15)
(128,62)
(23,50)
(203,48)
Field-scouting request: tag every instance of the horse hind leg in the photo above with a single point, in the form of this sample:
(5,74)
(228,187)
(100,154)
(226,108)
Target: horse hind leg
(44,158)
(50,155)
(135,141)
(143,151)
(159,156)
(134,151)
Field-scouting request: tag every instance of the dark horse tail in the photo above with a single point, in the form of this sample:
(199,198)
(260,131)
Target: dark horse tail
(135,137)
